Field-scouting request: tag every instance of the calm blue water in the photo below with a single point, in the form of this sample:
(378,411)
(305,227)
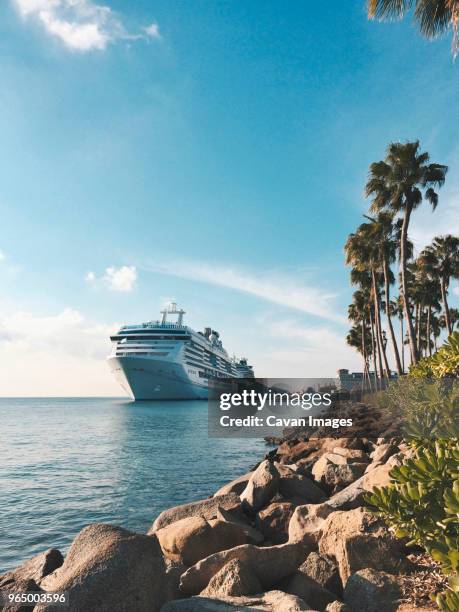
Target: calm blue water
(65,463)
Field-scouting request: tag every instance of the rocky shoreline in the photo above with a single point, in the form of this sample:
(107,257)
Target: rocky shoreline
(291,535)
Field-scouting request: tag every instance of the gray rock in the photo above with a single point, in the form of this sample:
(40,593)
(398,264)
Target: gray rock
(207,508)
(270,564)
(262,486)
(272,601)
(309,590)
(307,522)
(371,591)
(254,536)
(235,579)
(193,538)
(274,520)
(109,568)
(235,486)
(38,567)
(9,584)
(358,539)
(323,570)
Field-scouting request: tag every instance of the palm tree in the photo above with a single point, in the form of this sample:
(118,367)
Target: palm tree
(453,316)
(442,259)
(434,17)
(362,253)
(384,234)
(359,336)
(398,185)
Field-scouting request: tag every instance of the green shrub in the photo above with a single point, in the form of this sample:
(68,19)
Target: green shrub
(445,362)
(422,503)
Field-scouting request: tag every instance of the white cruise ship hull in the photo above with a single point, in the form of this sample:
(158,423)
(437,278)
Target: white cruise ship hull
(154,379)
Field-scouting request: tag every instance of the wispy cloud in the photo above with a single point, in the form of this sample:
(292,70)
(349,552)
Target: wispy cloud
(82,25)
(2,255)
(277,288)
(122,279)
(63,354)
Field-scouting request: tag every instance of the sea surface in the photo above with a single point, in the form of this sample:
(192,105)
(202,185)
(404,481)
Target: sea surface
(65,463)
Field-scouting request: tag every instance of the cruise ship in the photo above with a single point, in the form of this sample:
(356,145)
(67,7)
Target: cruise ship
(167,360)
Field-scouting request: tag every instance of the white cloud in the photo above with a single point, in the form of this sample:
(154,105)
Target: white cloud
(305,351)
(59,355)
(152,31)
(2,255)
(456,290)
(277,288)
(82,25)
(122,279)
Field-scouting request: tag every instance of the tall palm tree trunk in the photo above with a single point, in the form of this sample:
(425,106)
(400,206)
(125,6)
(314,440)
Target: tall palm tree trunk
(389,320)
(417,320)
(406,305)
(429,316)
(379,338)
(445,305)
(373,347)
(402,339)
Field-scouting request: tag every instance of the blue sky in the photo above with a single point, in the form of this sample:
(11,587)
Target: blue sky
(214,152)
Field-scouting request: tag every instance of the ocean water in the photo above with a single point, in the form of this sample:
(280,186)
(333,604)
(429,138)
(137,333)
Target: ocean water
(65,463)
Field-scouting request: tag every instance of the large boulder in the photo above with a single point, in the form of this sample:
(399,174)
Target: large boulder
(370,591)
(253,535)
(261,487)
(309,590)
(383,452)
(109,568)
(298,486)
(335,472)
(274,520)
(235,486)
(353,495)
(207,508)
(9,585)
(193,538)
(37,567)
(270,564)
(357,540)
(272,601)
(236,578)
(307,522)
(323,570)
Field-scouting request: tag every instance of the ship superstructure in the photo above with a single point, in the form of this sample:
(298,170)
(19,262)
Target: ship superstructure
(169,360)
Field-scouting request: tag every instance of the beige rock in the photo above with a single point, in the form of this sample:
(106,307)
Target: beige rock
(370,591)
(9,584)
(294,485)
(37,567)
(272,601)
(193,538)
(309,590)
(324,570)
(262,486)
(352,454)
(336,472)
(274,520)
(108,568)
(253,535)
(235,579)
(382,453)
(235,486)
(207,508)
(307,523)
(270,564)
(352,496)
(359,540)
(337,606)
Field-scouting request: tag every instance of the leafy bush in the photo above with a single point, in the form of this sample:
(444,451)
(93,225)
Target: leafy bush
(445,362)
(422,503)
